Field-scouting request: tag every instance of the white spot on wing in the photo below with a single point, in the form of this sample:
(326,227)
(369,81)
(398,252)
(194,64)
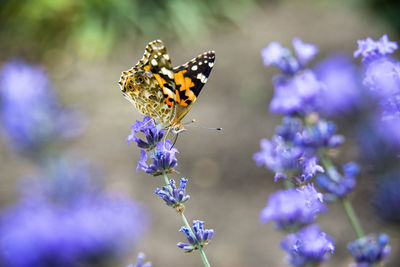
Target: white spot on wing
(211,64)
(165,71)
(201,77)
(194,67)
(166,56)
(154,62)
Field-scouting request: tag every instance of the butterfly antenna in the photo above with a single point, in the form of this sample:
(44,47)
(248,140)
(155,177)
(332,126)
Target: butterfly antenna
(202,127)
(175,139)
(208,128)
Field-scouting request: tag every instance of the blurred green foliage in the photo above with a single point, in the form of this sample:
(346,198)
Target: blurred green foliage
(389,10)
(92,27)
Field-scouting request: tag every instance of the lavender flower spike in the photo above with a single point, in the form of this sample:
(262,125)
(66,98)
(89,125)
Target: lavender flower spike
(31,116)
(293,207)
(176,196)
(370,49)
(309,245)
(201,236)
(140,260)
(164,159)
(275,54)
(69,225)
(369,250)
(151,132)
(304,51)
(343,185)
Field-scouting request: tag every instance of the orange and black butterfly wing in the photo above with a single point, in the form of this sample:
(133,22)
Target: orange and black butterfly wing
(156,60)
(190,79)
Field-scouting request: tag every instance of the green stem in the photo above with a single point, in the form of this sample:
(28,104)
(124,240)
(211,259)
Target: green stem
(351,215)
(167,182)
(348,208)
(287,184)
(202,254)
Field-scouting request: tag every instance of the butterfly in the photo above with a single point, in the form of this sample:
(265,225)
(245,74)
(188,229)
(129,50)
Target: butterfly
(164,93)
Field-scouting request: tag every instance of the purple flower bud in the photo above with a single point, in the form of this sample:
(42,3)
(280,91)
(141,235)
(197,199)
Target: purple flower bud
(174,197)
(201,236)
(164,159)
(151,132)
(293,207)
(140,261)
(309,245)
(370,249)
(304,51)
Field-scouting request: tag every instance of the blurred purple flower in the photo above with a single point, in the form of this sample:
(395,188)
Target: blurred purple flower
(151,132)
(88,228)
(304,51)
(389,130)
(275,54)
(289,129)
(339,186)
(369,250)
(174,197)
(31,116)
(282,158)
(164,159)
(370,49)
(297,95)
(140,261)
(382,77)
(293,207)
(320,135)
(309,245)
(343,85)
(201,236)
(386,198)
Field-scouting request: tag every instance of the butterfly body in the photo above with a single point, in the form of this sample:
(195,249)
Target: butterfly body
(164,93)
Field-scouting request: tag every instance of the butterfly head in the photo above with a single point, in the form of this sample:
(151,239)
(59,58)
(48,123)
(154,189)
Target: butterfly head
(177,128)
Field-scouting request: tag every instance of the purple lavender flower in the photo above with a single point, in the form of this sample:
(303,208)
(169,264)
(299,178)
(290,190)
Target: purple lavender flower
(320,135)
(343,85)
(304,51)
(337,185)
(293,207)
(283,158)
(164,159)
(201,236)
(296,95)
(386,198)
(174,197)
(370,49)
(309,245)
(31,116)
(140,261)
(88,228)
(389,130)
(289,129)
(275,54)
(382,77)
(151,132)
(382,74)
(390,107)
(369,250)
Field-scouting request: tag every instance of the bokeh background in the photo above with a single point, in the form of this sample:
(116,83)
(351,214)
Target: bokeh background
(84,45)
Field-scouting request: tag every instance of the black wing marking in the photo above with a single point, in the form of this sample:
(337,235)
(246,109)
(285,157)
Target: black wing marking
(198,70)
